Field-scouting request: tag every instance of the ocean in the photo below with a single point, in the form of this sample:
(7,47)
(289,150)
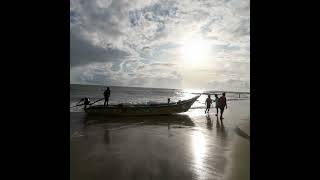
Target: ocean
(140,95)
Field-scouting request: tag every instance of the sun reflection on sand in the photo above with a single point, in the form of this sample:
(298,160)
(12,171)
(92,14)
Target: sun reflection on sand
(199,151)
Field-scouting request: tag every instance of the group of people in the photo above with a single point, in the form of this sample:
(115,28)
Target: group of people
(221,103)
(106,94)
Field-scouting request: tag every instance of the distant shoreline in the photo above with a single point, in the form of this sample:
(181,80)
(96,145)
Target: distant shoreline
(209,91)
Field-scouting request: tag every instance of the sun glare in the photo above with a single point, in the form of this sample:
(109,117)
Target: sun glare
(195,51)
(199,153)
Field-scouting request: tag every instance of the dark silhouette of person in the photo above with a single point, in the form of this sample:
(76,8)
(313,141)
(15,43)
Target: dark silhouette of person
(222,103)
(217,101)
(169,100)
(208,103)
(106,96)
(86,101)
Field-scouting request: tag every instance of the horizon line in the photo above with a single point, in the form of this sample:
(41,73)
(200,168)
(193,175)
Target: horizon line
(218,91)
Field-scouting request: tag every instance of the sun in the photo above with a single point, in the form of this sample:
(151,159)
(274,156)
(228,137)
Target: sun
(195,51)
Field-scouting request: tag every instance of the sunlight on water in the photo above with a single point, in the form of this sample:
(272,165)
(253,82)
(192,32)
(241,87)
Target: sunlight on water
(190,91)
(131,95)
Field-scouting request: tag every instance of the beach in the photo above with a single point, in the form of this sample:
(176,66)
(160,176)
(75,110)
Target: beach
(190,145)
(167,58)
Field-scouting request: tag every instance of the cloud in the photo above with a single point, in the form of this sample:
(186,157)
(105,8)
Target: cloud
(229,85)
(83,52)
(136,42)
(152,76)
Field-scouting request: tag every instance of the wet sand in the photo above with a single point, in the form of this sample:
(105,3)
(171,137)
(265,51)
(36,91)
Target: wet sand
(191,145)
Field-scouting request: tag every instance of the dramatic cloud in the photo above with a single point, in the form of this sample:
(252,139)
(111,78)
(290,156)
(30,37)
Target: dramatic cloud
(83,52)
(161,43)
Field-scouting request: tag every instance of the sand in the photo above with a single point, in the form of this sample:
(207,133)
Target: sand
(191,145)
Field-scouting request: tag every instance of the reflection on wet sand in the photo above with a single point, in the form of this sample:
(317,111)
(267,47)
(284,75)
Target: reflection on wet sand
(209,153)
(179,119)
(184,146)
(217,124)
(221,132)
(209,122)
(199,151)
(107,136)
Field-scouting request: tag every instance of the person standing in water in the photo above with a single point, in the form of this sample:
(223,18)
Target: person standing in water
(217,104)
(106,96)
(222,103)
(208,103)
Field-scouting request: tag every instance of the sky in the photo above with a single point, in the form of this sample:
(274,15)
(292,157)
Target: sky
(191,44)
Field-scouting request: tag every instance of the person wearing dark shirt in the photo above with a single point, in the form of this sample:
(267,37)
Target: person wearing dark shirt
(208,103)
(217,101)
(222,104)
(106,96)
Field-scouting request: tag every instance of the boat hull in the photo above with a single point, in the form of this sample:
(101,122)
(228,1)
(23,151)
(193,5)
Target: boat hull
(142,110)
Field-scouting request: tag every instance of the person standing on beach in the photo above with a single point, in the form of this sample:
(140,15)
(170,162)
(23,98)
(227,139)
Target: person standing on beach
(222,103)
(217,104)
(106,96)
(208,103)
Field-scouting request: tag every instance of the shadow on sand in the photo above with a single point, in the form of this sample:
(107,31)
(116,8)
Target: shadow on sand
(220,129)
(242,133)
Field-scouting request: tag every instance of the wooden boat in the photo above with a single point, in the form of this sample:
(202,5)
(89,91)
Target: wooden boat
(143,109)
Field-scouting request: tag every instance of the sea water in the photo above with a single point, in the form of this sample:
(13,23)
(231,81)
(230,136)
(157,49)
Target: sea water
(140,95)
